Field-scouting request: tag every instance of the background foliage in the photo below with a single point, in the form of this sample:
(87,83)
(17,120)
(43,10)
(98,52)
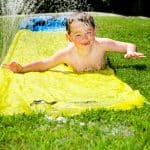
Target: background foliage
(125,7)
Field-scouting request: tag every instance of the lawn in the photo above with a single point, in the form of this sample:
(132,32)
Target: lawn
(102,129)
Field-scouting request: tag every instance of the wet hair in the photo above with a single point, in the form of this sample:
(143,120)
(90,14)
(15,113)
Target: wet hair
(79,16)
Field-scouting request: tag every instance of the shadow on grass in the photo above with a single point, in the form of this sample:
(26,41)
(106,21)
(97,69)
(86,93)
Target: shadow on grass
(139,67)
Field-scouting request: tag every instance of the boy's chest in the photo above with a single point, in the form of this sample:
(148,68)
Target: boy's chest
(94,61)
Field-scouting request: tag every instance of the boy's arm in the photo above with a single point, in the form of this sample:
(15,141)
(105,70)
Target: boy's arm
(128,48)
(39,65)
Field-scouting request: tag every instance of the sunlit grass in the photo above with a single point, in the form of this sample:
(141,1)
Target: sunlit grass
(136,72)
(91,130)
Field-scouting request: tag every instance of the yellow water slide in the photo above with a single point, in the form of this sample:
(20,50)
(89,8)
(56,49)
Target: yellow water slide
(58,91)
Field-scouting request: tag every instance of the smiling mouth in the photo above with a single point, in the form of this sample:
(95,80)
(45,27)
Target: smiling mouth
(86,44)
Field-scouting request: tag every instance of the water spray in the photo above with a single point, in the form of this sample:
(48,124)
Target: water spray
(11,10)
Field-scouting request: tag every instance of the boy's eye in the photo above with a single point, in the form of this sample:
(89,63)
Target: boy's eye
(78,35)
(89,32)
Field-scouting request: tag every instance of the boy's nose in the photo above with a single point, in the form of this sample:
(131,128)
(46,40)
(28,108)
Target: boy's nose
(84,37)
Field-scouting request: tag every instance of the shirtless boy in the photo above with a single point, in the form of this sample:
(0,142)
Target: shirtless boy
(84,52)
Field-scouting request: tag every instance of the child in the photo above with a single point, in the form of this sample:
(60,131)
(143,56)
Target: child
(85,52)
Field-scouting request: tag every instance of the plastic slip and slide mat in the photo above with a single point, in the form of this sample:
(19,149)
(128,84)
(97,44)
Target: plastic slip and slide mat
(58,91)
(44,23)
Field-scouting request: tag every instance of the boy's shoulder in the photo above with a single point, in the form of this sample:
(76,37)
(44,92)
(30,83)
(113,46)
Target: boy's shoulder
(67,50)
(103,40)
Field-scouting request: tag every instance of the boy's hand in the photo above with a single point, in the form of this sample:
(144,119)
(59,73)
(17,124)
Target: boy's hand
(13,66)
(134,55)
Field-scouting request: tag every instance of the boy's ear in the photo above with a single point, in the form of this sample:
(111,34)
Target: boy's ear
(68,37)
(95,31)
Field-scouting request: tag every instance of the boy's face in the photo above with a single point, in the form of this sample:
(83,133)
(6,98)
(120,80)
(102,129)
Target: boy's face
(82,35)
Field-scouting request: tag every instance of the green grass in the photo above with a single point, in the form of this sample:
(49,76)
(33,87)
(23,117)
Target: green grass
(91,130)
(100,130)
(135,72)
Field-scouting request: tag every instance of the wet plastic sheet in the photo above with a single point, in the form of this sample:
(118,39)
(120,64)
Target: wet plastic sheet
(43,23)
(58,91)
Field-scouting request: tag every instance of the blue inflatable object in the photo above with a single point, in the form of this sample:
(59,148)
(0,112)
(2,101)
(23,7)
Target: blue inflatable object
(43,23)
